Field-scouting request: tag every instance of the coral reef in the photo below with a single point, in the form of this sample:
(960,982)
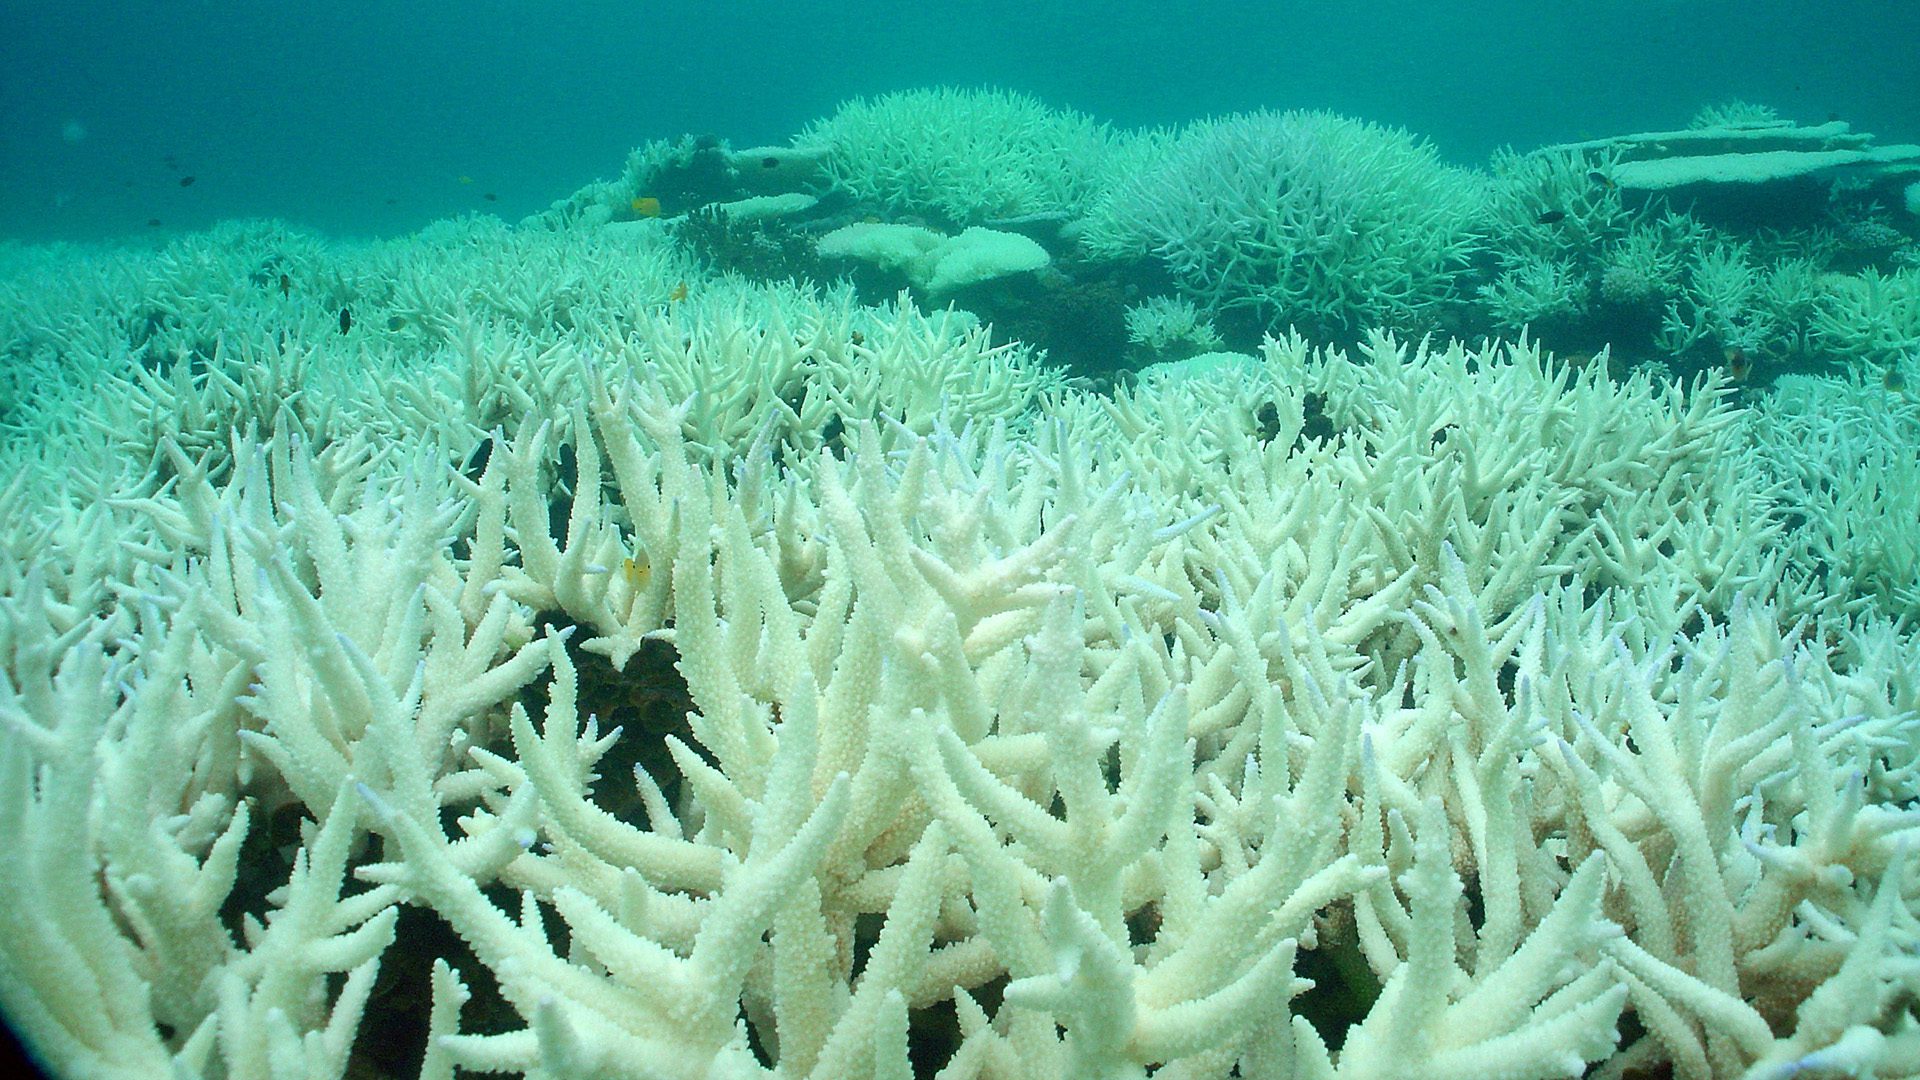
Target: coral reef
(965,156)
(933,262)
(587,660)
(733,239)
(1315,219)
(1170,328)
(1534,291)
(1269,221)
(1873,316)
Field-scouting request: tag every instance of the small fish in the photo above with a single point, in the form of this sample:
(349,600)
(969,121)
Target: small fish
(491,197)
(1894,379)
(645,206)
(396,323)
(858,338)
(769,162)
(1550,216)
(286,286)
(1603,180)
(638,572)
(1739,364)
(187,181)
(153,223)
(393,202)
(466,179)
(678,294)
(346,319)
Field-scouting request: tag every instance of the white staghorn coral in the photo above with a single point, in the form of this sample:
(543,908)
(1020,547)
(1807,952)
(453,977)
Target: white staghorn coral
(1416,711)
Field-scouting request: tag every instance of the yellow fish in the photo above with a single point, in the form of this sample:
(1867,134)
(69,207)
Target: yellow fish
(638,572)
(646,206)
(678,294)
(466,179)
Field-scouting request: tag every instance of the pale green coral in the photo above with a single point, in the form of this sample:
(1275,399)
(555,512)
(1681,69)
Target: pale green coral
(1735,113)
(1306,216)
(1645,266)
(1560,233)
(1535,288)
(969,156)
(1548,203)
(1722,305)
(1171,328)
(1840,450)
(1871,316)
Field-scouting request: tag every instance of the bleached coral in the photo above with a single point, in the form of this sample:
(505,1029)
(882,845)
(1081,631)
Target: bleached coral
(1549,204)
(1038,733)
(1735,113)
(970,156)
(1533,290)
(1840,447)
(1871,316)
(1170,328)
(1723,304)
(1309,217)
(939,264)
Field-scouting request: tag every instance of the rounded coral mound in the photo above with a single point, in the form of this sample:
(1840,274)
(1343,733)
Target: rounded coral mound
(969,156)
(1318,219)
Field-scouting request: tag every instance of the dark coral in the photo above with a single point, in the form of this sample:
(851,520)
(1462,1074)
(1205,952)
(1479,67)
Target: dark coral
(763,249)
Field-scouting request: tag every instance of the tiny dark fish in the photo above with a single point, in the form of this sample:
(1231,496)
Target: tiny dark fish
(396,323)
(476,464)
(491,197)
(153,222)
(346,319)
(1739,363)
(1602,179)
(1894,379)
(187,181)
(286,285)
(1551,216)
(769,162)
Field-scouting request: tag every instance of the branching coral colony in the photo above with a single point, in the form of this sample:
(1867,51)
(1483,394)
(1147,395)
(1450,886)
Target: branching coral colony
(1404,710)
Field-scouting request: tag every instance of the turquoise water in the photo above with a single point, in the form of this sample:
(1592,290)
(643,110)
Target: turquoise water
(365,118)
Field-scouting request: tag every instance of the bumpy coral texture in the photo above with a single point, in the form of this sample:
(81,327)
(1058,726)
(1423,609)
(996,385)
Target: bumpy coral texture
(1021,733)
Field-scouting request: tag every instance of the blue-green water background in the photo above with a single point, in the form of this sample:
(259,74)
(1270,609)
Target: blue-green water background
(363,118)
